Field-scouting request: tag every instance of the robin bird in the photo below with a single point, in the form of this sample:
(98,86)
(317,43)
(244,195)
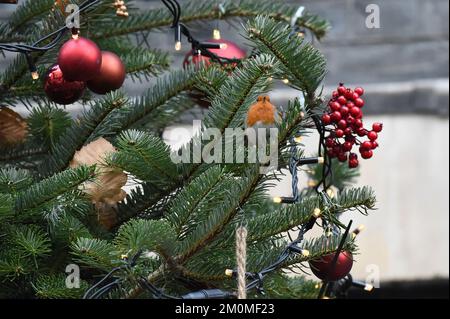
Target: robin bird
(263,114)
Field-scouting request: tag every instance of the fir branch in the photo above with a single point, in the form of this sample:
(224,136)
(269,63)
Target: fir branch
(303,64)
(183,210)
(287,217)
(47,191)
(342,175)
(144,156)
(47,123)
(158,96)
(208,10)
(141,63)
(13,180)
(6,207)
(84,130)
(28,11)
(94,253)
(149,235)
(223,214)
(54,287)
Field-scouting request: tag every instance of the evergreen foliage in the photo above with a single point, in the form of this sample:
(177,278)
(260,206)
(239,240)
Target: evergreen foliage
(182,217)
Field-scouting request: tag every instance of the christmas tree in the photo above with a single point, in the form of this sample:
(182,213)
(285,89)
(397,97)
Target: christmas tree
(195,224)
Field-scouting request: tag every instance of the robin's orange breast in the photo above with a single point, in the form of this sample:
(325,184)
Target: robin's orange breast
(263,112)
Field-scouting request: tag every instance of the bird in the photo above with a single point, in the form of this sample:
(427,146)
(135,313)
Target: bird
(263,114)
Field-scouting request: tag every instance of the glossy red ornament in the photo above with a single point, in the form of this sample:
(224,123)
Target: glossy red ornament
(111,76)
(323,267)
(59,90)
(230,51)
(80,59)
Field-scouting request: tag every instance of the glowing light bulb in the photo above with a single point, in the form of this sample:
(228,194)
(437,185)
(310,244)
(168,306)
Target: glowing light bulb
(277,200)
(178,46)
(216,34)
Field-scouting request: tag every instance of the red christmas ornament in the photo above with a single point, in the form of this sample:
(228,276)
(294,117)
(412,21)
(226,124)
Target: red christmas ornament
(59,90)
(230,50)
(80,59)
(111,76)
(323,267)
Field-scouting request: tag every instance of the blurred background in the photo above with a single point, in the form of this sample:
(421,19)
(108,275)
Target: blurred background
(404,67)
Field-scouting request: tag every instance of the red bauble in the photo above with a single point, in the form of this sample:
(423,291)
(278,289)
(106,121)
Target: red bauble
(59,90)
(111,76)
(229,51)
(80,59)
(323,267)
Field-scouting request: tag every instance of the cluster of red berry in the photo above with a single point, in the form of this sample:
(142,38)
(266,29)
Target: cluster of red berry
(345,115)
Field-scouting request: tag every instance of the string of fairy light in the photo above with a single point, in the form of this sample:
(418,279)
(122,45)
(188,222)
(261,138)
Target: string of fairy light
(255,280)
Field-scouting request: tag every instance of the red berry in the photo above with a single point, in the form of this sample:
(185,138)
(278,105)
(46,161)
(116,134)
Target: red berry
(336,116)
(355,96)
(355,112)
(375,145)
(377,127)
(339,133)
(347,146)
(361,132)
(342,89)
(359,91)
(349,94)
(344,111)
(342,157)
(353,156)
(335,106)
(366,146)
(350,120)
(354,163)
(348,131)
(372,135)
(342,124)
(337,149)
(335,94)
(342,100)
(359,102)
(358,123)
(350,105)
(326,119)
(329,142)
(367,154)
